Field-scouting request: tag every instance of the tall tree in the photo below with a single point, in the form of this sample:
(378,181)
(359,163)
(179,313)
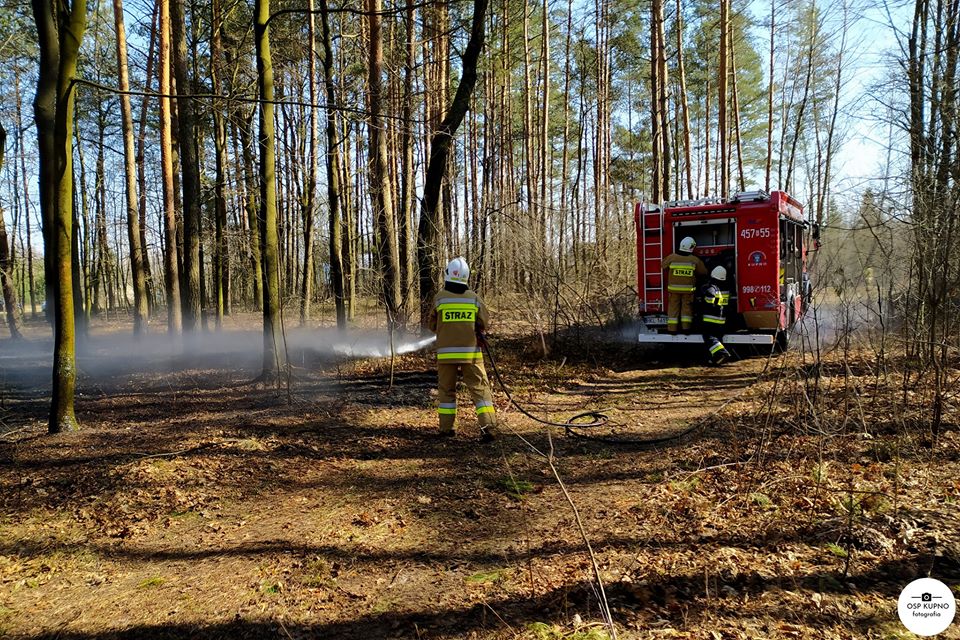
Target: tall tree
(171,263)
(45,111)
(137,266)
(333,174)
(769,159)
(684,106)
(10,303)
(141,164)
(439,153)
(722,120)
(72,22)
(189,170)
(381,190)
(273,356)
(660,129)
(309,200)
(24,176)
(407,188)
(221,253)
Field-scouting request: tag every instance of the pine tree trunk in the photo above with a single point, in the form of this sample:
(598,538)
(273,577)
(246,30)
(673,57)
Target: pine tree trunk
(252,207)
(10,304)
(189,170)
(722,76)
(769,160)
(306,291)
(664,99)
(545,203)
(85,252)
(736,116)
(140,309)
(141,164)
(380,187)
(407,187)
(684,106)
(273,356)
(439,154)
(706,142)
(221,251)
(333,175)
(656,133)
(171,263)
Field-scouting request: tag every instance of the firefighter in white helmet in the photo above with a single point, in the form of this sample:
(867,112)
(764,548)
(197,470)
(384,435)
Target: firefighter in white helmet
(683,268)
(460,318)
(715,300)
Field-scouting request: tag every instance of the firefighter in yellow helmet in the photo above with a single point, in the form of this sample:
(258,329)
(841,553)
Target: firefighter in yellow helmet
(683,268)
(459,318)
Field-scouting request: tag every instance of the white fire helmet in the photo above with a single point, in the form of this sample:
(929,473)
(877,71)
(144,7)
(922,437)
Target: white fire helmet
(719,274)
(688,244)
(457,271)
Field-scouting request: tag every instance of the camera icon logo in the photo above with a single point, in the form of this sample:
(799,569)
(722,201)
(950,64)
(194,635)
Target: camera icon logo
(926,607)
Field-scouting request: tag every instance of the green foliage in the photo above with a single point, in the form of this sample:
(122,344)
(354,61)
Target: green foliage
(486,577)
(819,473)
(515,488)
(544,631)
(762,500)
(687,485)
(149,583)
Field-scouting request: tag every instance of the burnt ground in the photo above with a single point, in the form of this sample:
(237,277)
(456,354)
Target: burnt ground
(196,503)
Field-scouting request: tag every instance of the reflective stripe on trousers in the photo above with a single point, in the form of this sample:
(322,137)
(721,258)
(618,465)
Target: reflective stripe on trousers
(459,353)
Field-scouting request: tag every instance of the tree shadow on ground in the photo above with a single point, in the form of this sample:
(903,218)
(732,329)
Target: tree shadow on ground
(679,598)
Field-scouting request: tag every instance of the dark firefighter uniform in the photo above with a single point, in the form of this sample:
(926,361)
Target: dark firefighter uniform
(682,269)
(456,318)
(714,303)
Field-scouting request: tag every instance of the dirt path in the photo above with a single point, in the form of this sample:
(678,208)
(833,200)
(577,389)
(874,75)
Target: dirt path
(195,504)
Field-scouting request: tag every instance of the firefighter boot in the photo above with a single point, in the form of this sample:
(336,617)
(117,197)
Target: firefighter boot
(722,356)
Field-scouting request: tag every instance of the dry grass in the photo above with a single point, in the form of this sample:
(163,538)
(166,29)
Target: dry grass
(196,504)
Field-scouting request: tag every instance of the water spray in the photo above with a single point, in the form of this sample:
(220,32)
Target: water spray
(357,350)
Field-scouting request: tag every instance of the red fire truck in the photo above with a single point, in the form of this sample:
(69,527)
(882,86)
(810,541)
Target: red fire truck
(761,239)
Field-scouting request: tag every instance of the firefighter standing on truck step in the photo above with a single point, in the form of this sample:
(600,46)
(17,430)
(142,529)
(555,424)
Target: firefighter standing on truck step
(459,318)
(683,268)
(714,300)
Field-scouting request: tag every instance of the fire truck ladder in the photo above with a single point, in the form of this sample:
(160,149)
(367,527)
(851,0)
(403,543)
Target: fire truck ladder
(651,226)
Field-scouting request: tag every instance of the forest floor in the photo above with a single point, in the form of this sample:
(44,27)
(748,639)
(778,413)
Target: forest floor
(196,503)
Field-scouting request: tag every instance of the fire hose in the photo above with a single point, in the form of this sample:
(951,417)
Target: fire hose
(575,425)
